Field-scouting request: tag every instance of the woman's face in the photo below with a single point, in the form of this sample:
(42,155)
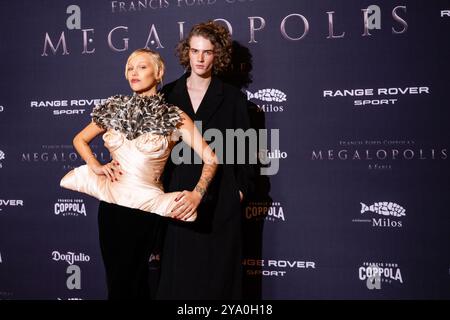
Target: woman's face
(201,56)
(141,74)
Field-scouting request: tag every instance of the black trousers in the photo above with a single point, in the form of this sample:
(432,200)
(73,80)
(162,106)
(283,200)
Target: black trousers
(128,237)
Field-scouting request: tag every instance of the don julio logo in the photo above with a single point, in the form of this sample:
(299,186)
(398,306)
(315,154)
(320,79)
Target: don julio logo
(70,207)
(269,96)
(374,274)
(70,257)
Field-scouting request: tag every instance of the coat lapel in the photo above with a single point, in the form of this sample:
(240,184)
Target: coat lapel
(209,105)
(211,101)
(180,97)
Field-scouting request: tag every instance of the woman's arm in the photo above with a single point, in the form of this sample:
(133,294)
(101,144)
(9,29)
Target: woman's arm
(81,144)
(190,200)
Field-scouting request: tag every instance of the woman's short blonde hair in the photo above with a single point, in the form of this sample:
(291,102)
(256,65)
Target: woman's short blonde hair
(158,62)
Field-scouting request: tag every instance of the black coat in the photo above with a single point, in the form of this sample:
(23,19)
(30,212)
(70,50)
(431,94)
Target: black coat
(202,260)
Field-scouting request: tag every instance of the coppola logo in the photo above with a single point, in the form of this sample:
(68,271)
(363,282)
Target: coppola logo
(64,155)
(375,96)
(70,257)
(269,99)
(374,274)
(70,207)
(274,267)
(379,154)
(65,107)
(390,213)
(265,210)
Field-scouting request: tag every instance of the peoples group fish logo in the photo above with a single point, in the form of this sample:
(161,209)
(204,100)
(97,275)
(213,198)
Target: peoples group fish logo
(271,98)
(384,208)
(267,95)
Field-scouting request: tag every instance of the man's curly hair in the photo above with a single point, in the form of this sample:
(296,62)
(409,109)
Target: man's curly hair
(220,39)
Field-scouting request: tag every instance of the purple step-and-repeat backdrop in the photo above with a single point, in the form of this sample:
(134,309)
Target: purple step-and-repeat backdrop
(358,207)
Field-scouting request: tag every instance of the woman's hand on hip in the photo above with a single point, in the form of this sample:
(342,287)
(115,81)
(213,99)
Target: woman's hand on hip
(111,170)
(187,204)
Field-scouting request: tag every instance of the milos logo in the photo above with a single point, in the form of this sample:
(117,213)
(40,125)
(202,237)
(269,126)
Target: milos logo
(391,213)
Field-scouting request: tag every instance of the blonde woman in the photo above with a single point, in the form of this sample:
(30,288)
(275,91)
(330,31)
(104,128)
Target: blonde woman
(139,132)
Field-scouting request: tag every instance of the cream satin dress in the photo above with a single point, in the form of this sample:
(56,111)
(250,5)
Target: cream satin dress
(141,159)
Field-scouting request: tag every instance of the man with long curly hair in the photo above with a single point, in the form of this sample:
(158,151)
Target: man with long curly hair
(202,260)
